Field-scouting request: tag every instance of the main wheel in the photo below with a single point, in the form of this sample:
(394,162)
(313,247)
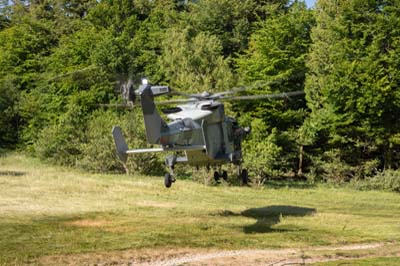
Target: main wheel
(168,180)
(216,176)
(225,175)
(245,177)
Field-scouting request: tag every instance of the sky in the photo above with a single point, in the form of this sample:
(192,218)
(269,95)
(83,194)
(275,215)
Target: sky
(310,3)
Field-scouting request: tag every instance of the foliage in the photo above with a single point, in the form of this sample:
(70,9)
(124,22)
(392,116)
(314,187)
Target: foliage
(99,150)
(278,49)
(194,63)
(275,62)
(331,167)
(59,59)
(263,158)
(385,180)
(8,109)
(231,22)
(352,88)
(59,142)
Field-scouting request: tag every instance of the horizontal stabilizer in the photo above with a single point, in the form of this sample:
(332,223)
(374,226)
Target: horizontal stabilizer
(163,149)
(123,151)
(120,143)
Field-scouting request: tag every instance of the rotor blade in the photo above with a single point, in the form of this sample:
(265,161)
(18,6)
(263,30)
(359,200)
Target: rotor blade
(173,92)
(208,96)
(118,105)
(74,72)
(264,96)
(232,91)
(132,105)
(177,101)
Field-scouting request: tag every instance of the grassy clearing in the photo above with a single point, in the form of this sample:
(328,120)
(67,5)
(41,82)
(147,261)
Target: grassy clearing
(49,211)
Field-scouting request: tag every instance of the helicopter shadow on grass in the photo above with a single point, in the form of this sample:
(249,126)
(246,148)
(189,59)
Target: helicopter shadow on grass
(269,216)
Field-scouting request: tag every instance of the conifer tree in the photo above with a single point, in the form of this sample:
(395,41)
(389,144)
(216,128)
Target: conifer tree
(275,61)
(352,87)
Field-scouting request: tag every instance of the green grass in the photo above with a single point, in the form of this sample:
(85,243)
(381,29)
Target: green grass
(46,210)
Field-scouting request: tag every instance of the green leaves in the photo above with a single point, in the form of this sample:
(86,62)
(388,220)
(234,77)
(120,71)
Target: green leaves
(352,68)
(60,58)
(195,64)
(276,54)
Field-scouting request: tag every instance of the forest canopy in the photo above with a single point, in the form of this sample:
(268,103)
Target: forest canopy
(60,59)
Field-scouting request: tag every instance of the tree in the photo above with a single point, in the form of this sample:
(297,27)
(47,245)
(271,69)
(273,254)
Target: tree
(9,116)
(352,87)
(231,21)
(275,62)
(194,64)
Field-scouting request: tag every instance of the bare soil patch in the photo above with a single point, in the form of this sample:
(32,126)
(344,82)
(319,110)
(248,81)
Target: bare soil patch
(89,223)
(197,257)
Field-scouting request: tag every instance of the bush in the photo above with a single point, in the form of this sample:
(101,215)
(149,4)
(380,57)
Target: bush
(385,180)
(8,118)
(60,142)
(332,168)
(99,153)
(262,156)
(85,141)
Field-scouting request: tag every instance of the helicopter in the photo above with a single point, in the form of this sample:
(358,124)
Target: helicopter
(198,128)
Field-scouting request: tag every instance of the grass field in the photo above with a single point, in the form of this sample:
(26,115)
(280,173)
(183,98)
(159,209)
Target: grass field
(52,214)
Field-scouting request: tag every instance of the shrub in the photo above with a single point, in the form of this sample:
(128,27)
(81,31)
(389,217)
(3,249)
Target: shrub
(262,157)
(99,153)
(60,142)
(332,168)
(385,180)
(8,118)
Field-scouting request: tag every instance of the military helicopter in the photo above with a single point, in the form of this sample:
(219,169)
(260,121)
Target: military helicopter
(198,128)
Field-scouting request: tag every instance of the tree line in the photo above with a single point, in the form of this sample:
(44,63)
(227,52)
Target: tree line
(60,59)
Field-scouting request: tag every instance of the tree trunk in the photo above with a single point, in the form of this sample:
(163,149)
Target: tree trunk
(301,152)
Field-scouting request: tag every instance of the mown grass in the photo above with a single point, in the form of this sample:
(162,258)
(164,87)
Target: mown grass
(46,210)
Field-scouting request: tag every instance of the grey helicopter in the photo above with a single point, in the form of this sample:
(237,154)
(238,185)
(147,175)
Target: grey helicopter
(198,128)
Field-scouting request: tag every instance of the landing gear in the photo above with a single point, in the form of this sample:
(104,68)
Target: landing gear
(225,175)
(244,175)
(218,175)
(169,177)
(168,180)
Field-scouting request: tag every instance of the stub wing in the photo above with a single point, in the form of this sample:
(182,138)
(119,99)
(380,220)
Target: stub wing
(123,150)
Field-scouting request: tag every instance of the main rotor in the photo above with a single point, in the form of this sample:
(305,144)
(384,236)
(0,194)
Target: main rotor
(130,95)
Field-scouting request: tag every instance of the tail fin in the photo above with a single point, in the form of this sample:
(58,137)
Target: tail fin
(153,122)
(120,143)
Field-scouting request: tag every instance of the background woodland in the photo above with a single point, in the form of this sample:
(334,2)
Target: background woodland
(60,59)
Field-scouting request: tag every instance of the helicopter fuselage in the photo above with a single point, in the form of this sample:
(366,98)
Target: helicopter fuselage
(204,123)
(199,129)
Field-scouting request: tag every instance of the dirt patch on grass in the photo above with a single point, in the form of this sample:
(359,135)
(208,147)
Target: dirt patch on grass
(197,257)
(89,223)
(156,204)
